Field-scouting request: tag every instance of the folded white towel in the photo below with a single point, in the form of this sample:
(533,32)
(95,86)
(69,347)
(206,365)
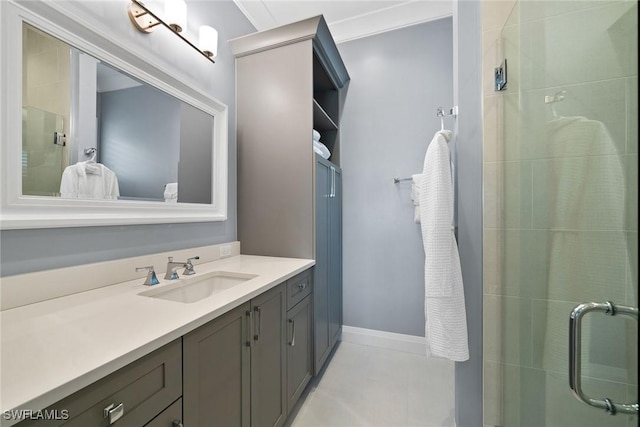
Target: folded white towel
(416,182)
(445,311)
(171,192)
(321,149)
(316,135)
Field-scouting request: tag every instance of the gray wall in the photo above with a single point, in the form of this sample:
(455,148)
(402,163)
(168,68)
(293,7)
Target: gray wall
(30,250)
(468,96)
(398,79)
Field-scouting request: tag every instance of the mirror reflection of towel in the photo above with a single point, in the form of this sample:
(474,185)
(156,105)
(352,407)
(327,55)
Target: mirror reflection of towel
(89,180)
(171,192)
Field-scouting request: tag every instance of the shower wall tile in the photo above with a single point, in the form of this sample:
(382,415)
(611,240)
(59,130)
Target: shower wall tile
(496,13)
(586,46)
(492,256)
(491,58)
(587,265)
(600,334)
(579,193)
(536,10)
(507,330)
(632,114)
(632,396)
(631,194)
(632,277)
(599,103)
(526,263)
(493,145)
(561,408)
(492,179)
(517,194)
(511,45)
(492,392)
(516,262)
(512,129)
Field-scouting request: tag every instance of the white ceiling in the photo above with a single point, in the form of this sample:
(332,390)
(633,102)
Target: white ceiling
(347,19)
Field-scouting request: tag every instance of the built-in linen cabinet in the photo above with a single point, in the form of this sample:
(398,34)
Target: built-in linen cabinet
(290,81)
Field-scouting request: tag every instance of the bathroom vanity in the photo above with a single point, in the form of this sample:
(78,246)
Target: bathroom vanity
(238,355)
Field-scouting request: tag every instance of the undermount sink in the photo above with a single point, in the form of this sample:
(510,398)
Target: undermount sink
(198,288)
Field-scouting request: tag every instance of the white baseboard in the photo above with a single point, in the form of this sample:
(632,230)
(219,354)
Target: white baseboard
(382,339)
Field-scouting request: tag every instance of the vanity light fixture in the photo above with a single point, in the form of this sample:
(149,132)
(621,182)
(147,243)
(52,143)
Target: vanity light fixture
(176,15)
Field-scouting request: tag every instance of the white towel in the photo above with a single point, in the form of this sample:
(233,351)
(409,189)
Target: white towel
(171,192)
(321,149)
(445,312)
(316,135)
(416,182)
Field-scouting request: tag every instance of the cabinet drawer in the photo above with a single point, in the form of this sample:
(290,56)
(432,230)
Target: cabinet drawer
(170,417)
(298,287)
(138,392)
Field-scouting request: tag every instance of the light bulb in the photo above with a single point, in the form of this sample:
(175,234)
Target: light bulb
(209,40)
(175,12)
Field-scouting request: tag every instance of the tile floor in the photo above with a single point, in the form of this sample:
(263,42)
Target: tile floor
(374,387)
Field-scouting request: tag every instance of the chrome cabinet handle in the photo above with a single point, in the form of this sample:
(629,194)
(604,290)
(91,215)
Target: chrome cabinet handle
(249,331)
(113,413)
(302,286)
(332,194)
(293,333)
(177,423)
(575,323)
(259,320)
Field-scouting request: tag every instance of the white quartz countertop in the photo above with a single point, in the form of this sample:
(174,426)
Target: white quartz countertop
(54,348)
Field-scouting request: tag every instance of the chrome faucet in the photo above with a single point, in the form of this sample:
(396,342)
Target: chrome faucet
(151,276)
(172,266)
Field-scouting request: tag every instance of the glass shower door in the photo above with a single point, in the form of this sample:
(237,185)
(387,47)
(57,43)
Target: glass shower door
(561,218)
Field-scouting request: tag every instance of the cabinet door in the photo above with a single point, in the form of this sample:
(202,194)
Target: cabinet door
(321,278)
(268,388)
(335,258)
(299,361)
(217,372)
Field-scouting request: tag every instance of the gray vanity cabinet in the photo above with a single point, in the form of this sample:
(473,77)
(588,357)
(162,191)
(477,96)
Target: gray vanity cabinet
(234,366)
(145,392)
(299,336)
(327,300)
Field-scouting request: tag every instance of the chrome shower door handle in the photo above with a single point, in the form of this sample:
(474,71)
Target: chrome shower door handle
(575,323)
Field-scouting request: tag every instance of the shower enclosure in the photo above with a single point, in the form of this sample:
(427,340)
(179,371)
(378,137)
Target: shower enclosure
(560,211)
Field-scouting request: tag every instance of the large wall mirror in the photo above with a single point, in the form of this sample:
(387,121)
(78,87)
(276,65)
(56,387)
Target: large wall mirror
(94,136)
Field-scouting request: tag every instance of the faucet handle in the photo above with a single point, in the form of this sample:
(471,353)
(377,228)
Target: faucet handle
(189,267)
(151,279)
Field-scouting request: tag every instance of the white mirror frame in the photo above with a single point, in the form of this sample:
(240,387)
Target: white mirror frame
(18,211)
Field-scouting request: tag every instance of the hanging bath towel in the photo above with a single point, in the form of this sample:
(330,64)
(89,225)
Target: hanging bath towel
(445,313)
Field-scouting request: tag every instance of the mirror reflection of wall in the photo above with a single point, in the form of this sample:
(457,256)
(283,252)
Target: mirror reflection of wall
(46,94)
(147,137)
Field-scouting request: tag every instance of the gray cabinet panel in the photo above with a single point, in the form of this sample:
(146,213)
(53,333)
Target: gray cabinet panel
(327,305)
(144,388)
(299,350)
(268,388)
(217,372)
(335,259)
(321,272)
